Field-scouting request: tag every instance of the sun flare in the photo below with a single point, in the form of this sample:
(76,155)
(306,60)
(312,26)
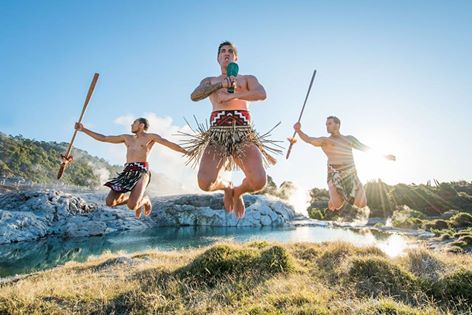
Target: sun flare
(373,165)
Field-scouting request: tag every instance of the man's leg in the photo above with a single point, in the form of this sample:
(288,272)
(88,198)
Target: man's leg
(209,179)
(256,177)
(360,200)
(137,200)
(116,199)
(336,201)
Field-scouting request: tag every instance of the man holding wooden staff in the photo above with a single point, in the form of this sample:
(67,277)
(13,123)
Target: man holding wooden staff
(343,183)
(136,175)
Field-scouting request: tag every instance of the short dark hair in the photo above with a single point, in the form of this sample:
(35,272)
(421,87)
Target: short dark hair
(143,121)
(228,43)
(336,119)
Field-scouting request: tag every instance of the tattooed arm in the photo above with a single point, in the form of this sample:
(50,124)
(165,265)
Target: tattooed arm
(206,88)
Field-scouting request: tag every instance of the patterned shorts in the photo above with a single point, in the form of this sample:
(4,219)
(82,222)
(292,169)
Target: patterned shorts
(129,177)
(344,178)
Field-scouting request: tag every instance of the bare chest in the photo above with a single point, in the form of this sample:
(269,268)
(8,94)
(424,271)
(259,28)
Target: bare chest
(241,84)
(139,145)
(340,147)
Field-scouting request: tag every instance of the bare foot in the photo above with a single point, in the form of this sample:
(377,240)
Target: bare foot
(238,204)
(147,206)
(228,198)
(138,213)
(334,209)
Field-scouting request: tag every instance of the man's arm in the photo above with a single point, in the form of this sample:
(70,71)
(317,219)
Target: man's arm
(356,144)
(100,137)
(167,143)
(317,142)
(255,92)
(206,88)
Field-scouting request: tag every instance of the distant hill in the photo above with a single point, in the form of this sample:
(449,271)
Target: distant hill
(38,162)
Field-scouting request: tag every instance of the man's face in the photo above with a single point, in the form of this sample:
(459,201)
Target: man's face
(331,126)
(136,126)
(226,55)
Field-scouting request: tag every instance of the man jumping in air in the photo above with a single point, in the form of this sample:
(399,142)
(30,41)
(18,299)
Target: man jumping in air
(231,141)
(136,175)
(343,183)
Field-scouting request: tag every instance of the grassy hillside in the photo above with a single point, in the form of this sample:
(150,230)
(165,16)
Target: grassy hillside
(39,162)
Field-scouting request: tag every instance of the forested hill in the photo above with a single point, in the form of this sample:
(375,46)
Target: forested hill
(38,162)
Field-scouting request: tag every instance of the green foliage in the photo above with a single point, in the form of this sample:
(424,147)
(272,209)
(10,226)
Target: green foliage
(461,220)
(322,214)
(407,218)
(385,200)
(454,287)
(433,200)
(223,262)
(376,276)
(239,279)
(39,162)
(283,192)
(389,307)
(276,260)
(463,242)
(436,224)
(424,264)
(378,198)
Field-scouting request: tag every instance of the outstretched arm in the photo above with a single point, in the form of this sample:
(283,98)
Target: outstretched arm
(167,143)
(98,136)
(356,144)
(317,142)
(206,88)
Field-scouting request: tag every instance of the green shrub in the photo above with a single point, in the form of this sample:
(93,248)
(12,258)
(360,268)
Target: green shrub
(454,287)
(436,224)
(376,276)
(461,220)
(423,264)
(276,259)
(224,261)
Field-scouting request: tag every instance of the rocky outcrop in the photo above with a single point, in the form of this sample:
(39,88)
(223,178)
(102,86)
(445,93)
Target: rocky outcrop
(208,210)
(26,216)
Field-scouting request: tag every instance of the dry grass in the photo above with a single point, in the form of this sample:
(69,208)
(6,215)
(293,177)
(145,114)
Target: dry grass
(253,278)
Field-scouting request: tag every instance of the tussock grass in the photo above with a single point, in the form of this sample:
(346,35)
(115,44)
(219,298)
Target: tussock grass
(252,278)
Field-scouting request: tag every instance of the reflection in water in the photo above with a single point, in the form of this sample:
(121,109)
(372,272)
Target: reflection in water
(26,257)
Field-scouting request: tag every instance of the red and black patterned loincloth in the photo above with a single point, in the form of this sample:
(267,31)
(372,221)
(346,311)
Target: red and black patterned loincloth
(344,178)
(229,132)
(129,177)
(230,118)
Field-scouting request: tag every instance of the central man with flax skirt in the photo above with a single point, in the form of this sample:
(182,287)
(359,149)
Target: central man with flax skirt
(230,142)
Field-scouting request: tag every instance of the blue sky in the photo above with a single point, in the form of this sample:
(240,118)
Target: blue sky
(397,73)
